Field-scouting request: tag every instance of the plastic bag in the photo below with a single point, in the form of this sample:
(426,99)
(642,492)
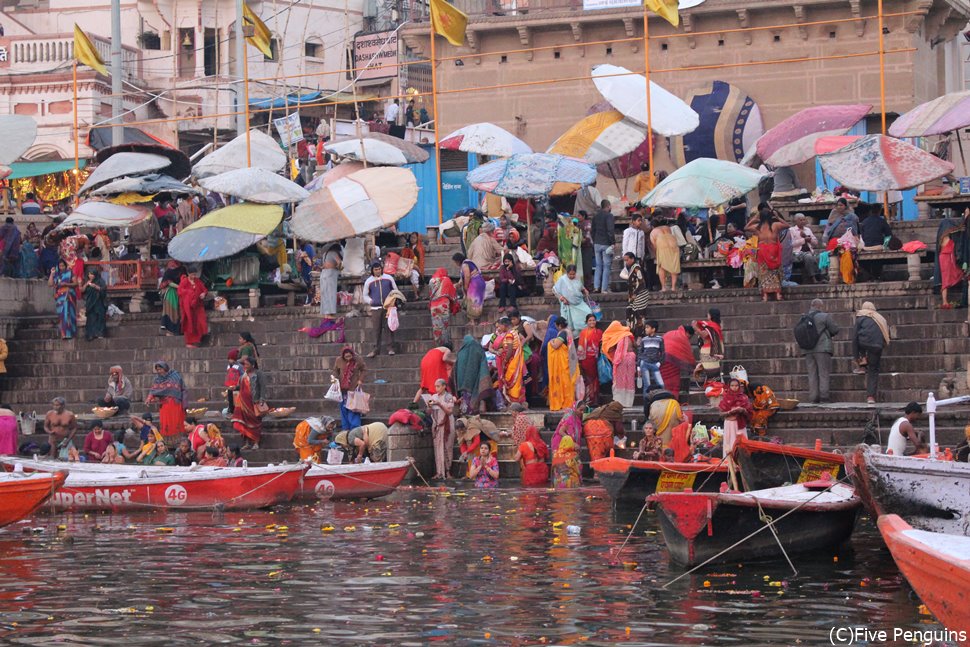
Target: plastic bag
(358,401)
(333,393)
(393,323)
(739,373)
(604,368)
(114,311)
(489,289)
(596,309)
(335,456)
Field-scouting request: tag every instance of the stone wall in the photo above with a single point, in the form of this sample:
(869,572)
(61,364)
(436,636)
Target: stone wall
(25,298)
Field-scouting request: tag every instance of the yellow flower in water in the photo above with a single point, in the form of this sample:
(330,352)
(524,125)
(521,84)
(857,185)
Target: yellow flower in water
(350,528)
(271,526)
(327,528)
(165,530)
(557,524)
(394,525)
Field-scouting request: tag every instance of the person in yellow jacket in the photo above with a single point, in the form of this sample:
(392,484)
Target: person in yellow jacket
(312,435)
(3,355)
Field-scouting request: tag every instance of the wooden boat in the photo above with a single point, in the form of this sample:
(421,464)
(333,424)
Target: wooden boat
(629,481)
(176,488)
(21,493)
(937,566)
(766,465)
(354,481)
(698,526)
(931,495)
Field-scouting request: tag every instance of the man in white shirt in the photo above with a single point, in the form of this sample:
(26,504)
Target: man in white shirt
(803,244)
(391,111)
(634,238)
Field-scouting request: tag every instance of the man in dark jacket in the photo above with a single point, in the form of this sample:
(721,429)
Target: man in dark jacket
(818,360)
(604,236)
(870,338)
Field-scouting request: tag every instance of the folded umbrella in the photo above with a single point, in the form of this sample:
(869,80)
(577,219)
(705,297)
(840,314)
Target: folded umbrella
(124,164)
(225,232)
(627,93)
(265,153)
(370,151)
(704,183)
(793,140)
(532,175)
(484,139)
(255,185)
(941,115)
(359,203)
(600,138)
(881,163)
(94,213)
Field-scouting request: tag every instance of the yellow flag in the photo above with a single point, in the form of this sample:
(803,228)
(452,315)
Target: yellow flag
(666,9)
(448,21)
(85,53)
(261,37)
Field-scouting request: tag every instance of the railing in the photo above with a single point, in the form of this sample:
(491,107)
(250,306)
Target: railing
(36,52)
(129,275)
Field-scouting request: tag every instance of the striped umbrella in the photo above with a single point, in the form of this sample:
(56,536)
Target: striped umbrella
(600,138)
(484,139)
(225,232)
(265,153)
(880,163)
(362,202)
(941,115)
(793,140)
(255,185)
(330,176)
(532,175)
(94,213)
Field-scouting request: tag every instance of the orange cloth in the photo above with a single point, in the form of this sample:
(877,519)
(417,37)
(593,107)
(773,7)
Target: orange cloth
(612,336)
(307,451)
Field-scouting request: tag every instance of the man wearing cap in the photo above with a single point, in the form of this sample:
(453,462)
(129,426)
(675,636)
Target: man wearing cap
(60,425)
(803,244)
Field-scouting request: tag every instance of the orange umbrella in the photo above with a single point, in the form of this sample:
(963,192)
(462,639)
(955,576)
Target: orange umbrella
(600,137)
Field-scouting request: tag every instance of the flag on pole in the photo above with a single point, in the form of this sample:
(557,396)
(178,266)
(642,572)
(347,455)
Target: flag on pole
(85,53)
(448,21)
(261,38)
(666,9)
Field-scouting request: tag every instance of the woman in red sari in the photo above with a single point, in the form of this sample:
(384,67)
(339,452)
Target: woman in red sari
(168,390)
(678,358)
(588,353)
(436,364)
(191,293)
(509,362)
(532,456)
(443,303)
(247,417)
(737,410)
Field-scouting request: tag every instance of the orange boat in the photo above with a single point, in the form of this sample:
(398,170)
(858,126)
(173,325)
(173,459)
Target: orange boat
(21,494)
(937,566)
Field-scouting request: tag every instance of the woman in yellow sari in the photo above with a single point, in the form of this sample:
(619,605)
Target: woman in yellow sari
(509,361)
(566,468)
(562,366)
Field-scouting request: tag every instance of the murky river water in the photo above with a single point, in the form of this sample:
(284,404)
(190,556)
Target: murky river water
(419,567)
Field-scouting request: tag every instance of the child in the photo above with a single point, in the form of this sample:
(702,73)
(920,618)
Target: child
(233,373)
(650,355)
(484,468)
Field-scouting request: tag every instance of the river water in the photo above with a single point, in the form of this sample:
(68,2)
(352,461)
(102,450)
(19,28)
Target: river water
(422,566)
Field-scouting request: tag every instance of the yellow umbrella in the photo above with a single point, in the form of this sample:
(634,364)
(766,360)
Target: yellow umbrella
(600,137)
(225,232)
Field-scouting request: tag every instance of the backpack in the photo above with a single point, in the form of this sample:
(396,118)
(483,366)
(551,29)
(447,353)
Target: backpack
(807,333)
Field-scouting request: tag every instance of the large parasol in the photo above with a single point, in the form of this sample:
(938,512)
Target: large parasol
(627,93)
(532,175)
(371,151)
(880,163)
(413,153)
(122,165)
(265,153)
(484,139)
(17,132)
(704,183)
(361,202)
(937,117)
(225,232)
(793,140)
(93,213)
(150,184)
(255,185)
(600,137)
(330,176)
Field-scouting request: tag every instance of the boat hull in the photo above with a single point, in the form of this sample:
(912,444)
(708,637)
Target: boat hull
(941,580)
(368,481)
(21,496)
(631,482)
(931,495)
(704,526)
(239,489)
(766,465)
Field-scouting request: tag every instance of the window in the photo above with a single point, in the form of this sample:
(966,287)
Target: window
(609,51)
(720,42)
(777,38)
(274,46)
(663,47)
(556,54)
(313,50)
(503,59)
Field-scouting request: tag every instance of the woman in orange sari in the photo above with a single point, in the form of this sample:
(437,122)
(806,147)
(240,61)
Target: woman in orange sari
(532,456)
(563,368)
(509,362)
(247,417)
(443,303)
(191,292)
(618,347)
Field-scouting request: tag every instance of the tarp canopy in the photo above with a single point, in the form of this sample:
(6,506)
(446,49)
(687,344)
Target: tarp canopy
(99,138)
(33,169)
(94,213)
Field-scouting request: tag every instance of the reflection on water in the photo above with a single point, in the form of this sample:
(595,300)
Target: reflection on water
(421,566)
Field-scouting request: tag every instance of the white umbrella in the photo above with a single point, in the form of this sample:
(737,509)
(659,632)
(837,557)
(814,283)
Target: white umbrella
(104,214)
(703,183)
(17,134)
(485,139)
(265,153)
(124,164)
(255,185)
(628,93)
(372,151)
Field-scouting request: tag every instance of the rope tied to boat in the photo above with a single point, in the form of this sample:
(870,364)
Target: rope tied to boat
(766,518)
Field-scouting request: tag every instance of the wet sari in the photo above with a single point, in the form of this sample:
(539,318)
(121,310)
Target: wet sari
(534,453)
(566,468)
(570,425)
(96,309)
(618,346)
(510,364)
(169,390)
(245,418)
(575,309)
(588,353)
(599,438)
(171,320)
(563,370)
(65,301)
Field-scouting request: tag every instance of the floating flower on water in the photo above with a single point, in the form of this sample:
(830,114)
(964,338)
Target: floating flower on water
(394,525)
(275,574)
(271,526)
(513,558)
(165,530)
(707,584)
(326,528)
(487,635)
(350,528)
(557,524)
(316,630)
(237,529)
(486,558)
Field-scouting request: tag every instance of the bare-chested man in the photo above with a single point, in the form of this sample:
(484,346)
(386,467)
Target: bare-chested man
(60,425)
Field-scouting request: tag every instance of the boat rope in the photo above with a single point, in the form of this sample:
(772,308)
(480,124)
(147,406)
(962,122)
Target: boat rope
(330,470)
(632,530)
(260,486)
(744,539)
(766,518)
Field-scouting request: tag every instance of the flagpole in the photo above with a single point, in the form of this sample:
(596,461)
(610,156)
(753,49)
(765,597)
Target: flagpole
(646,71)
(77,161)
(249,161)
(434,106)
(882,93)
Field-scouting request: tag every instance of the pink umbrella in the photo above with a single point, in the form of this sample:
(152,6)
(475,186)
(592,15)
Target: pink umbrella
(828,144)
(880,163)
(793,140)
(941,115)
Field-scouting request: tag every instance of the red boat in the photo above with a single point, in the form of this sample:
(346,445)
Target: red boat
(129,488)
(698,526)
(21,494)
(937,566)
(766,465)
(629,481)
(360,481)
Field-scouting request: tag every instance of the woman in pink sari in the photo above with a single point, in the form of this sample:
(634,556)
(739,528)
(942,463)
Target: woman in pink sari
(678,358)
(618,348)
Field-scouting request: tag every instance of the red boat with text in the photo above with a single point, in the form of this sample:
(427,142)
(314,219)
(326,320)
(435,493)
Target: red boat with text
(630,481)
(937,566)
(354,481)
(22,493)
(766,465)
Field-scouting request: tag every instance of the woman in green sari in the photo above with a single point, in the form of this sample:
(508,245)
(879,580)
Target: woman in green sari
(95,292)
(168,291)
(473,382)
(570,243)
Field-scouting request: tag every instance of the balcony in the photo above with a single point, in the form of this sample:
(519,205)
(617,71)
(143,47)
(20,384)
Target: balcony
(44,53)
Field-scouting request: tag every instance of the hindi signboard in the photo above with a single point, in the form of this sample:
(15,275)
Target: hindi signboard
(375,55)
(289,128)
